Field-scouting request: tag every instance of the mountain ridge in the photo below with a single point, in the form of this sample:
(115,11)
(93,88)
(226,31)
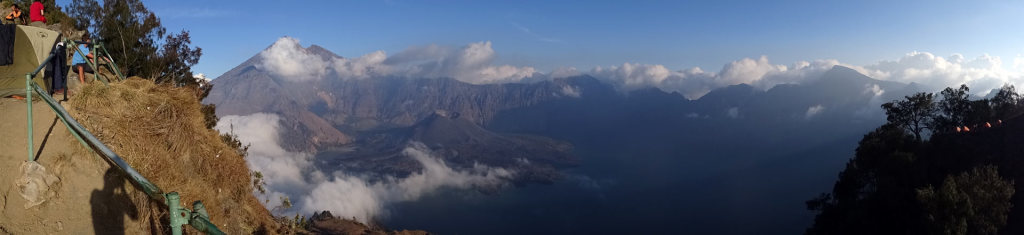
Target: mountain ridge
(578,122)
(333,110)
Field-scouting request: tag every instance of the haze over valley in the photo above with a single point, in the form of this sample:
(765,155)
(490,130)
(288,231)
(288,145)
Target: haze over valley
(399,117)
(368,137)
(697,118)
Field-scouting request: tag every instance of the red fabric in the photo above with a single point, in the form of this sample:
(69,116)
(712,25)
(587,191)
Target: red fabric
(36,12)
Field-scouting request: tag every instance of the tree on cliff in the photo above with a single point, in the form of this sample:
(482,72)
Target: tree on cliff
(900,183)
(954,109)
(913,114)
(1006,102)
(974,202)
(137,41)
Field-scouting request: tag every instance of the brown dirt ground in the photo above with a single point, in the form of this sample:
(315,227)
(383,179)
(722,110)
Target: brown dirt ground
(87,199)
(177,153)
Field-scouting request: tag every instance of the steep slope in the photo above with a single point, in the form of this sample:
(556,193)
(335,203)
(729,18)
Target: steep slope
(999,146)
(841,92)
(156,129)
(87,196)
(332,109)
(160,131)
(897,182)
(246,89)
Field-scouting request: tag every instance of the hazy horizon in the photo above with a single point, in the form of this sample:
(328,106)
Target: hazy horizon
(361,125)
(963,41)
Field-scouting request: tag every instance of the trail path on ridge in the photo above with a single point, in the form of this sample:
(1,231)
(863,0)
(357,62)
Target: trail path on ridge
(88,197)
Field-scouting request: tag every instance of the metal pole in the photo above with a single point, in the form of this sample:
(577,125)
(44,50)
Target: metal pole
(204,225)
(94,66)
(95,61)
(174,207)
(112,63)
(151,189)
(28,100)
(63,119)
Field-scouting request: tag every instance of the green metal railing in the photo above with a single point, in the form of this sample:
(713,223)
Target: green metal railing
(94,62)
(112,63)
(197,217)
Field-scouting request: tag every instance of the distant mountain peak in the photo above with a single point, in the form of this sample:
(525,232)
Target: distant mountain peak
(322,52)
(843,68)
(845,78)
(741,86)
(732,91)
(583,79)
(844,73)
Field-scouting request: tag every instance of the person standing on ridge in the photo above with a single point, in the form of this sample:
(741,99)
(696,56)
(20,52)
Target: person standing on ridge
(15,15)
(80,62)
(36,12)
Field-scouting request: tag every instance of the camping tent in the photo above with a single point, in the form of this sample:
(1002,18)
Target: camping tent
(32,46)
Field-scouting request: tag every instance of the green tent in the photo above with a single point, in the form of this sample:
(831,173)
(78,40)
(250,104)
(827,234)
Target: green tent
(32,46)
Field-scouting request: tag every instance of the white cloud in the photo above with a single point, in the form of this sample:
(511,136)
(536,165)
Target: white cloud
(695,82)
(871,110)
(363,67)
(874,90)
(747,71)
(733,112)
(633,76)
(799,72)
(562,72)
(283,171)
(571,91)
(288,60)
(293,175)
(201,77)
(473,63)
(982,74)
(813,111)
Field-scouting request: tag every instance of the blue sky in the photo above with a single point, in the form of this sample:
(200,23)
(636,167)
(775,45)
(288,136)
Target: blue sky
(585,34)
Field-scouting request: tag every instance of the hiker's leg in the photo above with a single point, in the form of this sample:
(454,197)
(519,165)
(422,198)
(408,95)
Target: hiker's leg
(81,73)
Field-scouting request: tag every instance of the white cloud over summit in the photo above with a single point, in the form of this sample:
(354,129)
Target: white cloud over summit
(293,175)
(287,59)
(473,63)
(982,74)
(695,82)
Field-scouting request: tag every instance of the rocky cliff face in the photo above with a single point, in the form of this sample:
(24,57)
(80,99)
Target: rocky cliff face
(361,125)
(378,116)
(247,89)
(388,102)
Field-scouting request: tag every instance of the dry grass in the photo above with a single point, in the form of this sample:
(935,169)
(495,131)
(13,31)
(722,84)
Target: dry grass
(160,131)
